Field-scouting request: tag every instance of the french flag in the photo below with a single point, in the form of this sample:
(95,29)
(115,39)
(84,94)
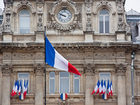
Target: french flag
(104,87)
(15,88)
(111,89)
(54,59)
(20,88)
(25,88)
(63,96)
(96,89)
(101,88)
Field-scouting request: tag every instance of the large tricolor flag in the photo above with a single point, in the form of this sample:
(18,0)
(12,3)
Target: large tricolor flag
(54,59)
(96,89)
(101,88)
(111,89)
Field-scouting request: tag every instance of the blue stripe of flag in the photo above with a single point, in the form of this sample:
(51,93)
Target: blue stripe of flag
(49,53)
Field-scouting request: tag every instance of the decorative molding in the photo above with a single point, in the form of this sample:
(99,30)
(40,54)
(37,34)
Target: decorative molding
(121,69)
(105,4)
(53,23)
(89,69)
(6,69)
(24,4)
(39,69)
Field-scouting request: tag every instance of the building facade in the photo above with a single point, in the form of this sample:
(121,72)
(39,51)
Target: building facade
(92,34)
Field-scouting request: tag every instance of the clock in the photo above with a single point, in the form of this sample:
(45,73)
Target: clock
(64,15)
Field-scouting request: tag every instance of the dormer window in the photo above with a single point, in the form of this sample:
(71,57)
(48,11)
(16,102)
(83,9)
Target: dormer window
(24,22)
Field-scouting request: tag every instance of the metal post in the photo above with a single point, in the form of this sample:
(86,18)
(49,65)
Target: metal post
(132,75)
(45,62)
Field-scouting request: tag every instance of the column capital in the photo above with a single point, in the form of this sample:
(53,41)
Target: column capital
(6,69)
(39,69)
(89,69)
(121,69)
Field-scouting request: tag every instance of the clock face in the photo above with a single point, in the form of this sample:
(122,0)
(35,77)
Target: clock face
(64,15)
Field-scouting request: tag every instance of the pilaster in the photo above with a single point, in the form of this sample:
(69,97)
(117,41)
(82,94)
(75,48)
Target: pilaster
(89,73)
(6,72)
(39,93)
(121,70)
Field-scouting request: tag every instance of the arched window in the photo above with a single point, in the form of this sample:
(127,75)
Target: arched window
(24,21)
(104,21)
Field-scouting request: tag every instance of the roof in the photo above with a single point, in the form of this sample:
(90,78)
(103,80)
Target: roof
(133,12)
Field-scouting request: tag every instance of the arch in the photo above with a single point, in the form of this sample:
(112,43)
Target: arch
(24,5)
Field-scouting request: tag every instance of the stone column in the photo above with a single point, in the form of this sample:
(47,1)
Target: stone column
(6,71)
(89,71)
(138,37)
(39,92)
(121,88)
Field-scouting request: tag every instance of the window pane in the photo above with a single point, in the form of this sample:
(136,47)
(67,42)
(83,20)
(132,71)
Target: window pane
(64,82)
(107,24)
(24,22)
(52,83)
(101,24)
(105,76)
(76,83)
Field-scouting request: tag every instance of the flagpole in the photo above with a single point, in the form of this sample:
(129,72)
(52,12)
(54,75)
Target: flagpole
(45,63)
(132,76)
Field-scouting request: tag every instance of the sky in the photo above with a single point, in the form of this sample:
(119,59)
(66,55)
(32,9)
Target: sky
(130,4)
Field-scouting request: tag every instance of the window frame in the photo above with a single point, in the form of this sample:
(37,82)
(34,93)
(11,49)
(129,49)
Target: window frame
(60,84)
(74,85)
(104,16)
(29,17)
(105,73)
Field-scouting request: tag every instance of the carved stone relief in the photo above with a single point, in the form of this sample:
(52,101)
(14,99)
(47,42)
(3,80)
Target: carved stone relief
(121,69)
(6,69)
(88,12)
(121,24)
(89,69)
(76,23)
(39,69)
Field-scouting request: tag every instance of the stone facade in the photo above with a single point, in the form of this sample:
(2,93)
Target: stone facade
(79,40)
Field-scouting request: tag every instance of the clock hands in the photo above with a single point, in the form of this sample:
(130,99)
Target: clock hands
(62,14)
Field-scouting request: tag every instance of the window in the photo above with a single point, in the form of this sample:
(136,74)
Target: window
(76,83)
(24,22)
(64,82)
(1,19)
(104,21)
(105,76)
(52,83)
(24,78)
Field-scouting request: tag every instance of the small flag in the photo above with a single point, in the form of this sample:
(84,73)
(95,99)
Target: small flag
(111,89)
(104,87)
(108,89)
(54,59)
(96,89)
(20,88)
(101,88)
(15,88)
(63,96)
(25,88)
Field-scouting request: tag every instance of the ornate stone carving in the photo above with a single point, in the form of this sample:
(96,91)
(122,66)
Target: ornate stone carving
(121,24)
(89,69)
(24,3)
(120,7)
(64,103)
(40,23)
(6,69)
(88,12)
(39,69)
(104,3)
(54,24)
(121,68)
